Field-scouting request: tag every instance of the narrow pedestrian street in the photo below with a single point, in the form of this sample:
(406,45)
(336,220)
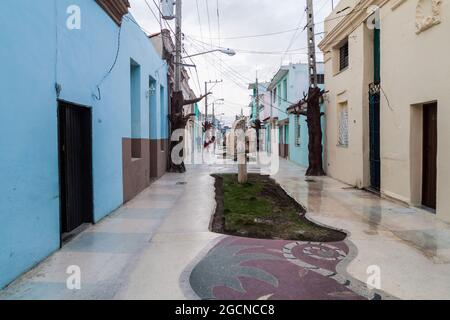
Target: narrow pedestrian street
(158,246)
(205,151)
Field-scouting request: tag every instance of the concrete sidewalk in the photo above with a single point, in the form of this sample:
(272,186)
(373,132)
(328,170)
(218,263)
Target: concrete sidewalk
(409,245)
(138,252)
(146,249)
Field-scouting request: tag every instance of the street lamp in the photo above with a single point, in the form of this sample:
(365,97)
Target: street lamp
(227,51)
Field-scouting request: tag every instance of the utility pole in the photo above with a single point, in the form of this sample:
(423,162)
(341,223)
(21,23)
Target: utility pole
(178,46)
(257,97)
(177,118)
(313,112)
(213,114)
(206,97)
(206,103)
(311,45)
(257,124)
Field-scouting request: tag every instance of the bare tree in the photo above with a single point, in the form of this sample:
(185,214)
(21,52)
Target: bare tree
(313,118)
(178,121)
(315,148)
(240,126)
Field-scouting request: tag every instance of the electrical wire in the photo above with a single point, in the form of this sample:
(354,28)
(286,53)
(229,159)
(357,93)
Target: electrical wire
(154,14)
(244,79)
(295,34)
(219,35)
(116,58)
(173,32)
(201,29)
(322,7)
(209,20)
(257,35)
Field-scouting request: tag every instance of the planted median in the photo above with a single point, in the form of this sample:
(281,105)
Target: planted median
(261,209)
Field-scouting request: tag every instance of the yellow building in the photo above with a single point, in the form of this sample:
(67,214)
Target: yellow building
(387,74)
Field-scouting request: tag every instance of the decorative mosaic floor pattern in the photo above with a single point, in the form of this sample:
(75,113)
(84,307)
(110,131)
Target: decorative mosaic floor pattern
(249,269)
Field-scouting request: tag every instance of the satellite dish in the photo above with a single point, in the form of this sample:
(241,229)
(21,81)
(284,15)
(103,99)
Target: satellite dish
(167,9)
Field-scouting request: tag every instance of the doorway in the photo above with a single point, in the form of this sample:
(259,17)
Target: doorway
(429,169)
(374,115)
(374,134)
(75,167)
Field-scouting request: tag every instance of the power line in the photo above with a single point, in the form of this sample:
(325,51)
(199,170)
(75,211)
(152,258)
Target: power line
(295,34)
(247,50)
(202,47)
(219,40)
(116,58)
(323,6)
(237,77)
(160,12)
(154,14)
(209,21)
(173,32)
(258,35)
(201,30)
(218,21)
(232,77)
(199,20)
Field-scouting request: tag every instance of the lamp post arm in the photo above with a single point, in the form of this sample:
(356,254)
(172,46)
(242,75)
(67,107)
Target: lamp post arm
(201,53)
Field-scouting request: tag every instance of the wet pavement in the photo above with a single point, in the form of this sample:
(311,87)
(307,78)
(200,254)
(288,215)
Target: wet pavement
(158,246)
(409,246)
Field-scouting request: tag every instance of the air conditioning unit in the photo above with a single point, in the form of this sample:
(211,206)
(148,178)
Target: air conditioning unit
(167,9)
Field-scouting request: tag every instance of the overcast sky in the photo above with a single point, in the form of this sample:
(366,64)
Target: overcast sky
(239,19)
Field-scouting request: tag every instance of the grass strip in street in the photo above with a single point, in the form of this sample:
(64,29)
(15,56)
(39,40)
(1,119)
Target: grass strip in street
(261,209)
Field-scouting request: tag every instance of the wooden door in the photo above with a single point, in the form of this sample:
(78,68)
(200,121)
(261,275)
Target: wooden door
(75,166)
(429,155)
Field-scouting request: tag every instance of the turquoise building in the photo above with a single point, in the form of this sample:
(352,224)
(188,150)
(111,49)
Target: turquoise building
(287,88)
(84,100)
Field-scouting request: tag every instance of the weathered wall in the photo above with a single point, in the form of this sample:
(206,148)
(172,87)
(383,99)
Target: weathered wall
(349,164)
(421,59)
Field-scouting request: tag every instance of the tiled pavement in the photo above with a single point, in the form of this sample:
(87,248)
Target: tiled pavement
(253,269)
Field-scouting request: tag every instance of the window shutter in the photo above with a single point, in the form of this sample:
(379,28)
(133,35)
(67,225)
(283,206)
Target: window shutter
(343,127)
(297,131)
(343,56)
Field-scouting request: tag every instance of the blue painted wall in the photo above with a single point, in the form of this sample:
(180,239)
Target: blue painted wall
(299,154)
(38,50)
(297,81)
(283,102)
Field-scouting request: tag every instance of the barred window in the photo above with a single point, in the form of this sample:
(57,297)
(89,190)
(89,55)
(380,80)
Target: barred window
(320,78)
(343,56)
(297,131)
(343,125)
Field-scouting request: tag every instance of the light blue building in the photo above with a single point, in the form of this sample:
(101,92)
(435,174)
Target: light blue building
(81,90)
(287,88)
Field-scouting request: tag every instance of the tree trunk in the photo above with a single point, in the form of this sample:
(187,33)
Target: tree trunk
(315,148)
(178,121)
(242,173)
(241,150)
